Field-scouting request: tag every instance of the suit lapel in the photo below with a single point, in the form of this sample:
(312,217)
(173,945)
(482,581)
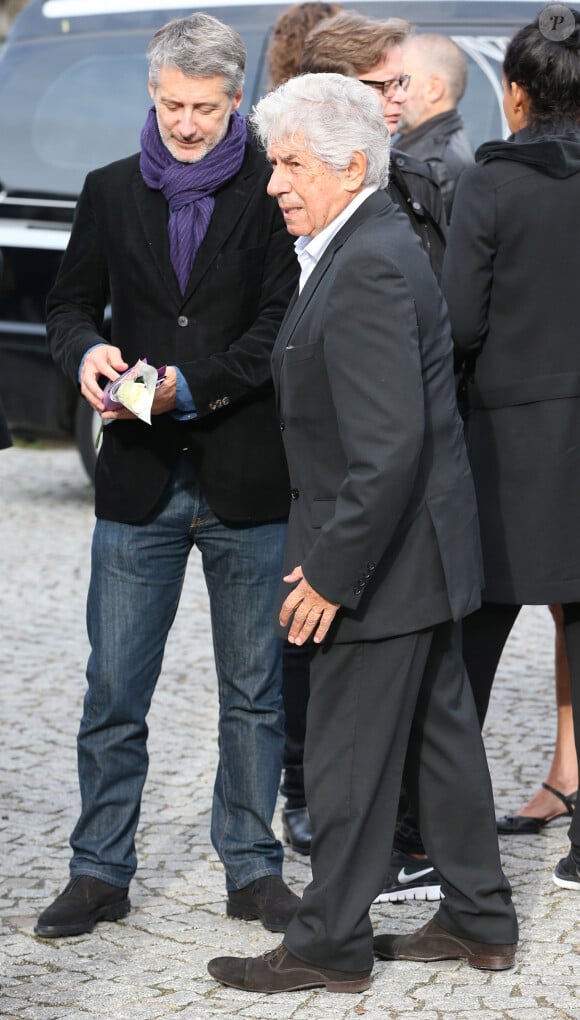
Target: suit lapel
(231,201)
(152,210)
(373,204)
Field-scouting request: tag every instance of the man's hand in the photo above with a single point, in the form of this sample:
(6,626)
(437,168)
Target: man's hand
(102,360)
(313,614)
(164,399)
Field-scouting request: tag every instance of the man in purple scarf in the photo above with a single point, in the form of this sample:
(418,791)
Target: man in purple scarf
(183,243)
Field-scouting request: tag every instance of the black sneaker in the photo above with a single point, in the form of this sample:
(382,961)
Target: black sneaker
(567,873)
(410,878)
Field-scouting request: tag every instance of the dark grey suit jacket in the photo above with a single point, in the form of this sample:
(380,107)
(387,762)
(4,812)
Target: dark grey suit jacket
(383,517)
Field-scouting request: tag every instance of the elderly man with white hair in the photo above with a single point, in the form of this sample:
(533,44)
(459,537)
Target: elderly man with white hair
(382,558)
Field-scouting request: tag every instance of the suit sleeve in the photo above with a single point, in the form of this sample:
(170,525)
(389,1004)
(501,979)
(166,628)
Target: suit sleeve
(76,304)
(469,258)
(372,360)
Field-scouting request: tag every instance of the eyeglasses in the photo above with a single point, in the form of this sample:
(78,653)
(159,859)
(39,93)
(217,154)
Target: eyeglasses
(389,87)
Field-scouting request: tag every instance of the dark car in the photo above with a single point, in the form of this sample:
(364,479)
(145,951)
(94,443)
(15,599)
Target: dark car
(73,96)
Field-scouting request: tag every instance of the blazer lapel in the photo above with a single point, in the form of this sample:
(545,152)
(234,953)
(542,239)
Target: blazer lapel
(152,211)
(374,203)
(231,201)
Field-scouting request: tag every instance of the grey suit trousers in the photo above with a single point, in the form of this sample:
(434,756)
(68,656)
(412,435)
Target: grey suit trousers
(368,702)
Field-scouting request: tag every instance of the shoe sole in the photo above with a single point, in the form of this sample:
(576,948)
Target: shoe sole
(430,893)
(113,912)
(566,883)
(478,961)
(354,986)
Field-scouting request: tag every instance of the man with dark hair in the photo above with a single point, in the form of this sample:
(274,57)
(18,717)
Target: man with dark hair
(183,242)
(431,127)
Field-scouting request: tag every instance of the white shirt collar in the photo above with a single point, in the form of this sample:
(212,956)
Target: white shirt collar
(309,250)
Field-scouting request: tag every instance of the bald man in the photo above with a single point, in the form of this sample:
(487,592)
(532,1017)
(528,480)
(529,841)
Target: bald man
(431,126)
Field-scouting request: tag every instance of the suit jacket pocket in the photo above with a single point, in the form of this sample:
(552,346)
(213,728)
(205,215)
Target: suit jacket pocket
(321,511)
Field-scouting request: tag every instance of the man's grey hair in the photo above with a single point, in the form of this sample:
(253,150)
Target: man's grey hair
(333,116)
(199,46)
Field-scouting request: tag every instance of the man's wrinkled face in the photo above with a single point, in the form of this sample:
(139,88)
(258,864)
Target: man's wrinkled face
(193,114)
(309,192)
(389,69)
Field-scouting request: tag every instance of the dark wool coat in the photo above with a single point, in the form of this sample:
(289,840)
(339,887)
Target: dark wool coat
(511,280)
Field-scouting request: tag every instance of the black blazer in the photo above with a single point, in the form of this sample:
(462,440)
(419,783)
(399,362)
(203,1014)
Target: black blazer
(220,333)
(383,517)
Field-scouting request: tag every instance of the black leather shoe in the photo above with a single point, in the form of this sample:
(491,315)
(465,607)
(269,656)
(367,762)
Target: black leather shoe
(76,911)
(279,971)
(268,900)
(297,829)
(431,942)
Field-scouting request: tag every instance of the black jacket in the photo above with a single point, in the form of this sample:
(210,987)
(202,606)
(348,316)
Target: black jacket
(220,333)
(511,283)
(443,143)
(414,187)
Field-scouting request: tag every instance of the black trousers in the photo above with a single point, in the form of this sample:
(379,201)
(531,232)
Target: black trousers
(368,702)
(295,693)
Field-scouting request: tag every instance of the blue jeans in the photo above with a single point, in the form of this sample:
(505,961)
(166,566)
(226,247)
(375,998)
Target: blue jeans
(136,581)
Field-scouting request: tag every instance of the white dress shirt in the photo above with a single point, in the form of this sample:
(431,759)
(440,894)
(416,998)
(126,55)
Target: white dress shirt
(309,250)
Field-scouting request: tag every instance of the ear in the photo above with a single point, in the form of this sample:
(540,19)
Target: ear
(355,173)
(435,89)
(520,100)
(237,100)
(151,88)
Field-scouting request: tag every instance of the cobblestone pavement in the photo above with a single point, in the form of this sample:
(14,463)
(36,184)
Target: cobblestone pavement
(153,964)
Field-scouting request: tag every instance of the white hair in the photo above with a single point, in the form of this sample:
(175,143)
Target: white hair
(333,116)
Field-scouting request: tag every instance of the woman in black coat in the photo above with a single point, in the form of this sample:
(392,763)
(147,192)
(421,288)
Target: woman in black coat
(511,279)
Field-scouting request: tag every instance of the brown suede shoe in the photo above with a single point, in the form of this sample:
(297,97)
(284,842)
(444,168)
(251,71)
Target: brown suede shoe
(431,942)
(279,971)
(268,900)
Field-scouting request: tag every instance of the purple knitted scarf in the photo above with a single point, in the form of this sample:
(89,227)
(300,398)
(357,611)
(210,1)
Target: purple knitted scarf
(189,188)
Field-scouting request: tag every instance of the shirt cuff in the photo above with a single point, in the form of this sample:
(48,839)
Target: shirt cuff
(185,409)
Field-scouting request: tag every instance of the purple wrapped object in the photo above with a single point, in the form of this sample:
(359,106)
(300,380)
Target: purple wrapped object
(134,389)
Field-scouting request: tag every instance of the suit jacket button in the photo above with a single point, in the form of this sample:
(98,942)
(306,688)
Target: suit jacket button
(212,407)
(225,401)
(183,320)
(282,426)
(356,589)
(294,493)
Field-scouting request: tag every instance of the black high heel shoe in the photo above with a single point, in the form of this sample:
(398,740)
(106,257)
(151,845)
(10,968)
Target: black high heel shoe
(524,825)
